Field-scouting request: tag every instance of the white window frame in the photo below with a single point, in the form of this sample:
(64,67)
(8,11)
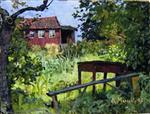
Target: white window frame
(52,33)
(41,33)
(32,34)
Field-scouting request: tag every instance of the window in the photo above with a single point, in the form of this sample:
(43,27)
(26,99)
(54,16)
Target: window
(41,33)
(31,34)
(52,33)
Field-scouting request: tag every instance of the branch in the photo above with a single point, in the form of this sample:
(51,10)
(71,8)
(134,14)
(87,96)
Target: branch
(38,8)
(50,3)
(3,13)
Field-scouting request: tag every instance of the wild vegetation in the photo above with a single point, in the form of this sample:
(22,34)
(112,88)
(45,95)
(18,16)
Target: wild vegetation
(33,71)
(120,22)
(60,71)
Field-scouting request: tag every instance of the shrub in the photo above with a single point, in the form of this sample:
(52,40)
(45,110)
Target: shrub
(137,36)
(81,104)
(22,65)
(84,47)
(114,53)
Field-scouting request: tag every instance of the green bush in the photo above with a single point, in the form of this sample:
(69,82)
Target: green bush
(81,104)
(21,64)
(137,35)
(114,53)
(84,47)
(26,104)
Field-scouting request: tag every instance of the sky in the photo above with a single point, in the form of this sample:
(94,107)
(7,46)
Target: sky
(63,9)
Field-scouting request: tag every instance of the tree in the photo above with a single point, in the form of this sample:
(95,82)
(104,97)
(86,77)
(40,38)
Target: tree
(99,20)
(85,13)
(125,21)
(136,24)
(7,25)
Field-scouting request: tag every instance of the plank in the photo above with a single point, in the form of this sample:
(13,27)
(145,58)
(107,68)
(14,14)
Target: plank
(104,85)
(52,93)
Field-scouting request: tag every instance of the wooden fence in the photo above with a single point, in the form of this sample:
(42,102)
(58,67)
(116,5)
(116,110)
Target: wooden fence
(120,70)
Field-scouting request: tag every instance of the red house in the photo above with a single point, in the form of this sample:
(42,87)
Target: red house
(42,31)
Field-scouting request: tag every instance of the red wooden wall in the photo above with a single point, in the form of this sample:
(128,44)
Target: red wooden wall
(46,40)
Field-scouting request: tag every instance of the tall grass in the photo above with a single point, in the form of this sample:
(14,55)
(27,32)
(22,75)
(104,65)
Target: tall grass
(59,71)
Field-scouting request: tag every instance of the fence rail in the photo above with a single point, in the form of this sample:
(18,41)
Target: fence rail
(53,93)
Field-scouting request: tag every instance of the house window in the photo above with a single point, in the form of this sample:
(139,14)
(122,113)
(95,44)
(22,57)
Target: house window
(52,33)
(41,33)
(31,34)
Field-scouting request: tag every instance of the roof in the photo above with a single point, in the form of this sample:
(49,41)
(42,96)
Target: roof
(42,23)
(68,28)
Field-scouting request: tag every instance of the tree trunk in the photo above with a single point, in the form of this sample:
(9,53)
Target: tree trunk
(5,96)
(6,29)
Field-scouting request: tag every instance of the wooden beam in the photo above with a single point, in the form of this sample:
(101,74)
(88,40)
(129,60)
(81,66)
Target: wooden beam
(105,77)
(52,93)
(94,78)
(118,81)
(55,104)
(79,79)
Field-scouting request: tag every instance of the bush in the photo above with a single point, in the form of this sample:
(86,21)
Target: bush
(84,47)
(22,65)
(81,104)
(137,36)
(114,53)
(26,104)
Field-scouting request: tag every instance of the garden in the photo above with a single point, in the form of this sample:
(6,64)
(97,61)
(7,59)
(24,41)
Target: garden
(112,31)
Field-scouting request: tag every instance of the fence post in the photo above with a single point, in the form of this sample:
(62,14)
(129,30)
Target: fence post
(55,104)
(104,85)
(94,87)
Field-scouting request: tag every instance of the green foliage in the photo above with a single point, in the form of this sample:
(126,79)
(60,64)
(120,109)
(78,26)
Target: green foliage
(3,107)
(25,104)
(60,71)
(84,13)
(109,102)
(60,68)
(99,20)
(145,83)
(114,102)
(81,104)
(119,22)
(137,35)
(114,53)
(82,48)
(144,104)
(57,72)
(103,103)
(22,65)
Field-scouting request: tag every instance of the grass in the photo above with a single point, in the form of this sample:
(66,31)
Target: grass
(52,80)
(87,77)
(66,98)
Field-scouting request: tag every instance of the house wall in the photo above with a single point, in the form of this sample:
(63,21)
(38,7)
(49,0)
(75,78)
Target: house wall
(46,40)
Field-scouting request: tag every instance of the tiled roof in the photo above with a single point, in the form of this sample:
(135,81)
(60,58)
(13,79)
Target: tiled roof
(42,23)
